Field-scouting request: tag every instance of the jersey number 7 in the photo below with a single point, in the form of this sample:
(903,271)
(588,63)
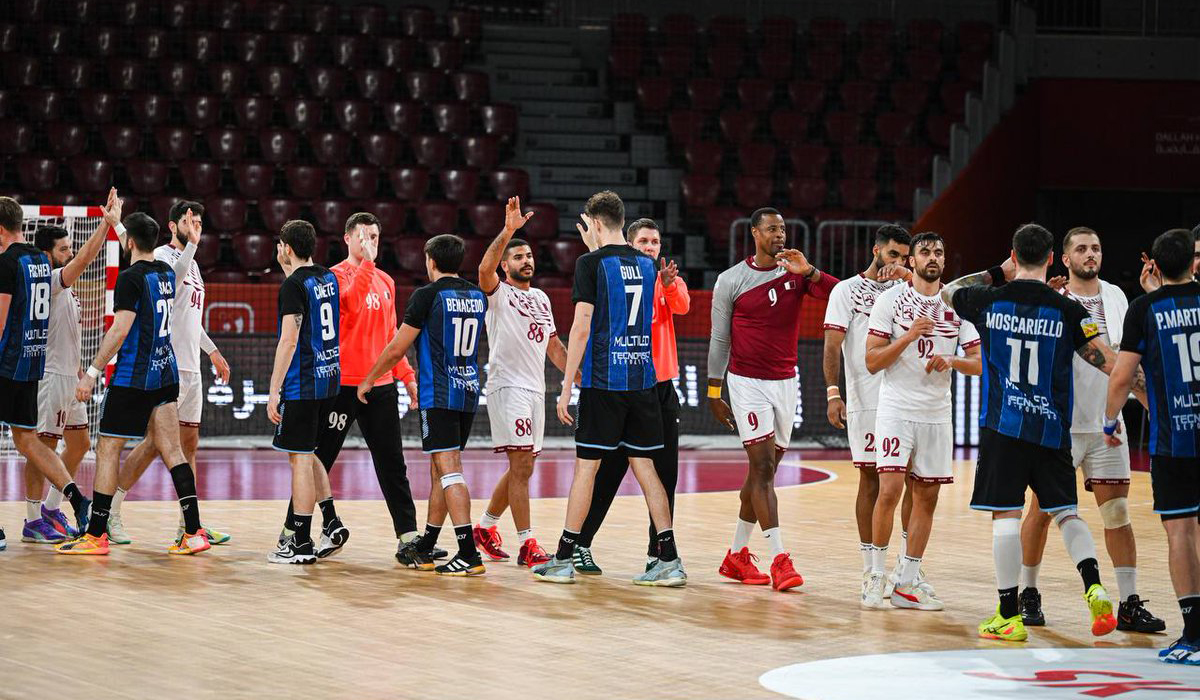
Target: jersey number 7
(636,304)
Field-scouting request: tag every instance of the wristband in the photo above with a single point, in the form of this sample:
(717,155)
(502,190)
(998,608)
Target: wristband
(997,274)
(832,391)
(1110,426)
(93,372)
(119,228)
(714,392)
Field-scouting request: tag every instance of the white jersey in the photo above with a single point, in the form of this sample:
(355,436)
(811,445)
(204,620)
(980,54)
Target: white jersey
(1091,385)
(187,314)
(63,346)
(907,391)
(519,327)
(848,311)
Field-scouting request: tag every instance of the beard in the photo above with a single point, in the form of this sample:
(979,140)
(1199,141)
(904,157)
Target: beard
(1085,273)
(929,274)
(183,240)
(519,274)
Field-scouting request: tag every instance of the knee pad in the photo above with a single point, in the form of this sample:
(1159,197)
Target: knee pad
(1065,514)
(1115,513)
(451,479)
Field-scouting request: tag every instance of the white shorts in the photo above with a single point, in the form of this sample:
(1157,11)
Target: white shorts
(860,429)
(58,410)
(191,398)
(930,445)
(518,419)
(763,408)
(1101,464)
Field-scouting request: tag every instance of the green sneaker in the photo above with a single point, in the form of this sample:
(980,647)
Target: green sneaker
(1006,629)
(116,529)
(584,564)
(1101,609)
(214,537)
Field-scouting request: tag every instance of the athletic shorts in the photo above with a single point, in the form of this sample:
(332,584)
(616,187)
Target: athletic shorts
(126,411)
(518,419)
(302,421)
(860,429)
(608,419)
(763,408)
(58,410)
(930,445)
(19,403)
(1007,466)
(443,430)
(191,398)
(1101,464)
(1176,485)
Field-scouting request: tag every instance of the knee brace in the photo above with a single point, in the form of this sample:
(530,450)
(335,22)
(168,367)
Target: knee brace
(1065,514)
(451,479)
(1115,513)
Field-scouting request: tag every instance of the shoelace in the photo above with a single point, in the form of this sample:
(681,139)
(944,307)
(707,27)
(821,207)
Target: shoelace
(745,558)
(585,556)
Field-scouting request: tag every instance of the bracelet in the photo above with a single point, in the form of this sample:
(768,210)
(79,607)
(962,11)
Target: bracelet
(714,392)
(119,228)
(93,372)
(1110,425)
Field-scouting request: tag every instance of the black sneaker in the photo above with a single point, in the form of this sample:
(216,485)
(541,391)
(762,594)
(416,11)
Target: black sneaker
(438,553)
(333,536)
(471,565)
(1031,608)
(413,557)
(1132,616)
(291,552)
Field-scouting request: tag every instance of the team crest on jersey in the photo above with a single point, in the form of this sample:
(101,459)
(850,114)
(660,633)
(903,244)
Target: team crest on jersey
(1090,328)
(908,312)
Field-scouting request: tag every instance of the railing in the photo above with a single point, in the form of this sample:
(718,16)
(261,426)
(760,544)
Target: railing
(1129,17)
(740,243)
(843,247)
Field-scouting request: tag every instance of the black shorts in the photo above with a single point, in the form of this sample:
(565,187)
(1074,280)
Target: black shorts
(607,420)
(1007,466)
(1176,485)
(443,430)
(18,403)
(126,411)
(301,424)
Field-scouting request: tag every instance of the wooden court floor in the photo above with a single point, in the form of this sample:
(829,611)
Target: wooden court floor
(226,624)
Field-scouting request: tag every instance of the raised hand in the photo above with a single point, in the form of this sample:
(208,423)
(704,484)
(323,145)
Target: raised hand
(1057,282)
(112,208)
(667,272)
(588,229)
(894,271)
(1150,278)
(920,327)
(513,218)
(368,247)
(794,262)
(189,226)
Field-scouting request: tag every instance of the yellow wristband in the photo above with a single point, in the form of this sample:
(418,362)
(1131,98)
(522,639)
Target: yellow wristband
(714,392)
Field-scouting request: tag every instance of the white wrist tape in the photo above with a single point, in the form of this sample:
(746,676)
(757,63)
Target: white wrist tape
(94,373)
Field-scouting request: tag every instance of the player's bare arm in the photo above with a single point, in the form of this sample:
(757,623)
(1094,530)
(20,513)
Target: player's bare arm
(1120,381)
(581,331)
(1099,355)
(396,348)
(122,322)
(883,352)
(1008,267)
(718,354)
(220,364)
(91,248)
(289,336)
(557,352)
(831,366)
(894,271)
(971,363)
(513,221)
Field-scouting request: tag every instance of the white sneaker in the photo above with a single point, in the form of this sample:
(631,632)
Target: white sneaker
(918,595)
(892,578)
(872,598)
(116,529)
(865,577)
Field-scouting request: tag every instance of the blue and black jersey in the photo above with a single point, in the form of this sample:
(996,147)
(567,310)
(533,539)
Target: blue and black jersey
(1164,328)
(450,314)
(316,371)
(618,281)
(145,360)
(25,274)
(1029,333)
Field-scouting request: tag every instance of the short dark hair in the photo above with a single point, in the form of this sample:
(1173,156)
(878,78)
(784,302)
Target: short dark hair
(46,237)
(1077,231)
(927,237)
(142,230)
(514,243)
(632,230)
(893,232)
(1032,244)
(1173,251)
(606,207)
(756,217)
(362,218)
(181,207)
(447,252)
(11,216)
(301,236)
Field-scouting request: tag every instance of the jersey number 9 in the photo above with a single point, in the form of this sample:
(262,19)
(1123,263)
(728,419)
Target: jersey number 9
(327,329)
(39,310)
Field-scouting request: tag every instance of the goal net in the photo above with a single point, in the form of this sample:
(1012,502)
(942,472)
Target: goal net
(93,289)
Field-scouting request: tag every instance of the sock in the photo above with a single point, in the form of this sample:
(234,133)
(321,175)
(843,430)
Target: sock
(566,545)
(1126,581)
(909,568)
(101,502)
(903,547)
(328,512)
(54,498)
(525,535)
(774,541)
(878,559)
(426,541)
(1006,553)
(741,536)
(666,545)
(185,489)
(1029,575)
(1189,605)
(73,494)
(1080,547)
(466,541)
(118,499)
(1089,571)
(33,510)
(488,520)
(301,526)
(865,548)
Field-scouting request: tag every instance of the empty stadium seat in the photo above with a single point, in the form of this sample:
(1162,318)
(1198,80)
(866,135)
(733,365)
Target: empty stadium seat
(824,64)
(403,118)
(174,143)
(860,161)
(325,82)
(858,96)
(756,158)
(253,112)
(437,217)
(358,182)
(954,97)
(444,54)
(349,51)
(126,75)
(699,191)
(121,141)
(36,173)
(807,95)
(352,115)
(103,42)
(482,152)
(201,46)
(416,20)
(276,212)
(395,53)
(91,175)
(725,62)
(843,128)
(775,64)
(926,33)
(249,47)
(375,84)
(305,181)
(910,96)
(499,119)
(431,150)
(97,106)
(717,221)
(177,77)
(452,118)
(675,61)
(809,161)
(894,128)
(147,177)
(486,218)
(201,178)
(653,93)
(465,25)
(226,213)
(331,215)
(225,145)
(779,31)
(226,15)
(859,195)
(17,139)
(227,79)
(208,252)
(410,254)
(379,148)
(543,225)
(74,73)
(161,207)
(874,64)
(460,184)
(226,277)
(629,28)
(752,191)
(874,31)
(902,194)
(278,145)
(755,94)
(703,157)
(807,194)
(409,183)
(298,49)
(509,182)
(727,30)
(54,39)
(276,81)
(303,114)
(678,28)
(913,161)
(201,111)
(254,252)
(65,140)
(789,125)
(565,251)
(150,108)
(470,86)
(253,180)
(369,18)
(423,85)
(275,16)
(737,125)
(625,63)
(923,65)
(705,94)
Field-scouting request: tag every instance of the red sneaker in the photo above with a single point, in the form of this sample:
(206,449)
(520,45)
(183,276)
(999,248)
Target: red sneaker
(489,541)
(532,554)
(739,567)
(783,573)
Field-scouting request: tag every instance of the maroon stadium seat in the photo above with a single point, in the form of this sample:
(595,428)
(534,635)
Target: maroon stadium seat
(910,96)
(913,161)
(65,140)
(423,85)
(331,215)
(486,218)
(452,118)
(395,53)
(298,49)
(390,214)
(121,141)
(465,25)
(227,79)
(226,213)
(827,31)
(7,104)
(860,161)
(352,115)
(275,16)
(727,29)
(375,84)
(416,20)
(225,145)
(509,182)
(752,191)
(97,106)
(126,75)
(326,82)
(253,180)
(499,119)
(717,221)
(807,95)
(470,86)
(320,17)
(809,160)
(254,252)
(703,157)
(653,93)
(277,81)
(859,96)
(789,125)
(444,54)
(303,114)
(725,62)
(379,148)
(437,217)
(894,128)
(349,51)
(150,108)
(877,31)
(974,37)
(937,129)
(177,77)
(91,175)
(201,111)
(249,47)
(679,29)
(226,15)
(824,64)
(253,112)
(629,28)
(17,139)
(161,205)
(404,118)
(409,183)
(201,46)
(625,63)
(543,225)
(200,178)
(685,125)
(410,254)
(775,64)
(482,152)
(755,94)
(923,65)
(874,64)
(103,42)
(699,191)
(305,181)
(460,185)
(42,105)
(902,194)
(970,67)
(208,252)
(431,150)
(36,173)
(565,251)
(859,195)
(737,125)
(75,73)
(954,97)
(473,255)
(705,94)
(925,33)
(368,18)
(843,128)
(55,39)
(226,277)
(807,193)
(174,143)
(779,31)
(358,182)
(10,38)
(675,61)
(278,145)
(756,158)
(275,212)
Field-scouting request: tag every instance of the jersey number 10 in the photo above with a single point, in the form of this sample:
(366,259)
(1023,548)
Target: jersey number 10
(466,334)
(1189,355)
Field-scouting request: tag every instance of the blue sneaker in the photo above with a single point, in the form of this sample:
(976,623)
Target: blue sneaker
(1181,651)
(41,531)
(59,520)
(669,574)
(82,515)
